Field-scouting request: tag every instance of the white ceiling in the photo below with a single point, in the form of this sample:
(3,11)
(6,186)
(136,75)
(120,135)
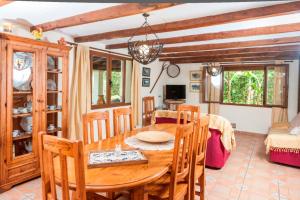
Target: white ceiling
(33,13)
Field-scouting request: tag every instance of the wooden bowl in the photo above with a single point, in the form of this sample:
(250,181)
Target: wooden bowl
(154,136)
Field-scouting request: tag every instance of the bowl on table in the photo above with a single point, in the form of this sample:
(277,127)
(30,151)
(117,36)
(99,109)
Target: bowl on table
(155,136)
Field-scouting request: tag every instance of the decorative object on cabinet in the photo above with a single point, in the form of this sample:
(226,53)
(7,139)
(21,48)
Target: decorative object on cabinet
(24,71)
(146,82)
(62,41)
(7,27)
(146,71)
(37,34)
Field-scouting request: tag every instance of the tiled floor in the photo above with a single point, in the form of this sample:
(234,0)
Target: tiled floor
(246,176)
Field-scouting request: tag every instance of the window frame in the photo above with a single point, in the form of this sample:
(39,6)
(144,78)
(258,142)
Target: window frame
(109,57)
(247,68)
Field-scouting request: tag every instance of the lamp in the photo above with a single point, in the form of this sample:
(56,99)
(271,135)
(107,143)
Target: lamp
(147,50)
(213,69)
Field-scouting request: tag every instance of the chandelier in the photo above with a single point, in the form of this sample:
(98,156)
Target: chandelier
(213,69)
(147,50)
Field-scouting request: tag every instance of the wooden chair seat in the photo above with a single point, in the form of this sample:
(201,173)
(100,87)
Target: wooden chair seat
(161,191)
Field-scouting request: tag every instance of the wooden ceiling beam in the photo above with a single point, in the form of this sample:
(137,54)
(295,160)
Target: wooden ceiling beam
(233,51)
(228,56)
(229,45)
(223,35)
(238,16)
(3,3)
(263,58)
(113,12)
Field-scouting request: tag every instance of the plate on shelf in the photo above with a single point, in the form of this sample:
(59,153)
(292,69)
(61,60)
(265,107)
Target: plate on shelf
(22,71)
(51,63)
(51,85)
(154,136)
(26,124)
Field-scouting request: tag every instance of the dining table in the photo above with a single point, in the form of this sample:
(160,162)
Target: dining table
(132,178)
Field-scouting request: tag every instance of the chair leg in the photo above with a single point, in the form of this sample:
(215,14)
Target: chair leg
(202,186)
(192,189)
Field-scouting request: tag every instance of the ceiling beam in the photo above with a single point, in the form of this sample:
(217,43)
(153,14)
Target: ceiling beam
(238,16)
(112,12)
(234,56)
(223,35)
(263,58)
(232,51)
(229,45)
(3,3)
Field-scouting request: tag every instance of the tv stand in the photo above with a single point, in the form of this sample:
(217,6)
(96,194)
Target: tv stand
(172,104)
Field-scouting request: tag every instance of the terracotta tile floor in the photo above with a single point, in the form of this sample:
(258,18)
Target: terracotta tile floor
(246,176)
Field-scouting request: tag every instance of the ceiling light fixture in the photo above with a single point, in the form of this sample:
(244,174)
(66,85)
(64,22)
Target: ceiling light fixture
(145,50)
(214,69)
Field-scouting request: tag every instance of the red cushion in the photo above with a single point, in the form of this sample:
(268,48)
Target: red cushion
(216,154)
(288,158)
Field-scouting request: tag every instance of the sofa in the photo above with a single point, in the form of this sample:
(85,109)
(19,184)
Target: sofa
(283,143)
(221,140)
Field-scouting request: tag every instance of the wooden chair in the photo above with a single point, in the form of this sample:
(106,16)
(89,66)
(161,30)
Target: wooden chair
(125,114)
(198,160)
(49,148)
(148,109)
(175,184)
(88,123)
(184,111)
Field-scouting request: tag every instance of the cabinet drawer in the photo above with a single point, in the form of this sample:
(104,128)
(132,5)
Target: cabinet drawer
(22,170)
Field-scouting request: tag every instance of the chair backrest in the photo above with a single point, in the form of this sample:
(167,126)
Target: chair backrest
(148,109)
(51,147)
(88,126)
(121,118)
(184,112)
(200,141)
(182,156)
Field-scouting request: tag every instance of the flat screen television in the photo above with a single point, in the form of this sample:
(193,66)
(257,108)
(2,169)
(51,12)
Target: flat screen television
(175,92)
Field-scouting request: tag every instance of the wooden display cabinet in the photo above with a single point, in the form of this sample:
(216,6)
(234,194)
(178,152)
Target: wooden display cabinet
(33,75)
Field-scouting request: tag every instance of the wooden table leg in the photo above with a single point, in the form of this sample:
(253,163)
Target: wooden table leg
(138,194)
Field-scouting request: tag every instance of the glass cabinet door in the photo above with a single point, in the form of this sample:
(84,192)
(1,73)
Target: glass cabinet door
(20,102)
(54,99)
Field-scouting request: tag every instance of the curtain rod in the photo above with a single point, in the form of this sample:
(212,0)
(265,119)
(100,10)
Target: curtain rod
(102,50)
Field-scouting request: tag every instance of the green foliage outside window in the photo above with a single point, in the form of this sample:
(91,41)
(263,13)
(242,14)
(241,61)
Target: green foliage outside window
(244,87)
(116,87)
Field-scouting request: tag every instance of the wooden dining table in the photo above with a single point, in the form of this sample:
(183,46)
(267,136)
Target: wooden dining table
(123,177)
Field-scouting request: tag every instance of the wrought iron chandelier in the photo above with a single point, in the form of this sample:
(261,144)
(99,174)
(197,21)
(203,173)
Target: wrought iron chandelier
(147,50)
(213,69)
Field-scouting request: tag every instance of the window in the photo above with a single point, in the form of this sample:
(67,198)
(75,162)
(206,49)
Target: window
(111,80)
(252,85)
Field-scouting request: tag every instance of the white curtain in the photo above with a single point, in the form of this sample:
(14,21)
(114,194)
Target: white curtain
(80,96)
(136,101)
(279,114)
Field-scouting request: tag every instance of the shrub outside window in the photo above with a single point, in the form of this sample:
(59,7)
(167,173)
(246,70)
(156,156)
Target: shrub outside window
(256,85)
